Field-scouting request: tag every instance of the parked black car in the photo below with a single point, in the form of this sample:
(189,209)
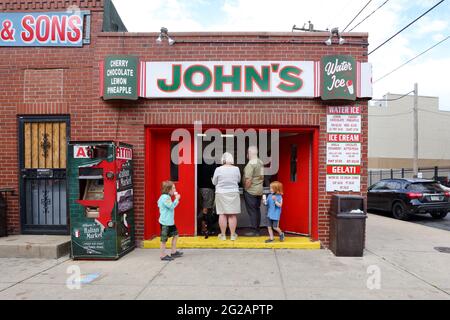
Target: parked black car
(404,197)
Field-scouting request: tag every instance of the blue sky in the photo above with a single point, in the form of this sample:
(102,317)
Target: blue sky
(430,71)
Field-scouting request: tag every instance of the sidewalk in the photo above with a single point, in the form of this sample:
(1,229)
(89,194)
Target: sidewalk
(404,253)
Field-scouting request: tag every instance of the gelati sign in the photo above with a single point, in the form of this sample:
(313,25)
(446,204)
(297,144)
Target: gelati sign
(339,78)
(120,78)
(43,29)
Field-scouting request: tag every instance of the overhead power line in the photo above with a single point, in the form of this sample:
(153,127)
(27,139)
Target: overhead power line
(406,94)
(411,23)
(410,60)
(381,6)
(357,15)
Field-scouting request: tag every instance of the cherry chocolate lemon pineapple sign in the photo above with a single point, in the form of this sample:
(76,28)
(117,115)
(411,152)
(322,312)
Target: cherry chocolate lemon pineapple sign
(339,78)
(120,78)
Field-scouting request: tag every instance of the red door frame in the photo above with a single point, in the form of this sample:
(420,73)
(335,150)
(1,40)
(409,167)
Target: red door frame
(149,225)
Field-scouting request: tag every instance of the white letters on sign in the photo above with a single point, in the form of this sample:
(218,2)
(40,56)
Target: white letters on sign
(123,153)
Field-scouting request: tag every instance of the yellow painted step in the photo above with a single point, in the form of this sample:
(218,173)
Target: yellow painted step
(242,243)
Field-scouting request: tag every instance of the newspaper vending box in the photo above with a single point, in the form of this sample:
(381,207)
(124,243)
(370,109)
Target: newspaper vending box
(101,199)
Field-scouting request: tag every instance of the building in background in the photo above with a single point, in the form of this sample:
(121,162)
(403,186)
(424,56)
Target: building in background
(391,133)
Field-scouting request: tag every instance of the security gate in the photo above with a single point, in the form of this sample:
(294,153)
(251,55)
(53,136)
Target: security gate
(43,158)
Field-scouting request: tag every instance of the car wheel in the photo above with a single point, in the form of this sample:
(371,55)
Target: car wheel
(399,211)
(440,215)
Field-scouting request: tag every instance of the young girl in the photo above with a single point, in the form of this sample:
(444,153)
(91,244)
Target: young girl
(167,219)
(274,203)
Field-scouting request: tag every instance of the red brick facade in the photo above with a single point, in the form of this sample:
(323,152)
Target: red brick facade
(66,81)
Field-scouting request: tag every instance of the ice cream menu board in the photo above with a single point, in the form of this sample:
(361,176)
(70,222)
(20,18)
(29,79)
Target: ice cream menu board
(344,148)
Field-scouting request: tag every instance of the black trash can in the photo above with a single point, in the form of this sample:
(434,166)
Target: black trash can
(347,226)
(2,216)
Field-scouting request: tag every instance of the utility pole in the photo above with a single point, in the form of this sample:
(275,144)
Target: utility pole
(416,130)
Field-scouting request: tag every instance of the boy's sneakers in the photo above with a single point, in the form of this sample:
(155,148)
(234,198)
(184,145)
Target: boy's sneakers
(234,237)
(282,237)
(269,241)
(222,237)
(177,254)
(167,258)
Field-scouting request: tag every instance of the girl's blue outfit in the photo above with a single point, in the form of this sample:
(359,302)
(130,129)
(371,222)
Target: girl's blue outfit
(273,211)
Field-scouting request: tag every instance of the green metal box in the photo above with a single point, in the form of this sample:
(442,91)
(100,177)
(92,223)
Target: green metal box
(100,193)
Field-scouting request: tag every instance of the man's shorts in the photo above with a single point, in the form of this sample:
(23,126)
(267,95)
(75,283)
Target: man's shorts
(168,232)
(206,198)
(274,223)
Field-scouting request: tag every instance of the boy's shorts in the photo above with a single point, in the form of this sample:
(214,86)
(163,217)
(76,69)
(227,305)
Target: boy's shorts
(168,232)
(274,223)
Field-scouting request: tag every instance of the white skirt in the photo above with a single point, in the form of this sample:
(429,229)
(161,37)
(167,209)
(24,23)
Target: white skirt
(228,203)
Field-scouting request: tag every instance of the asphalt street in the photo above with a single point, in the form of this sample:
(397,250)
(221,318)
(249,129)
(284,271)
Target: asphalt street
(425,220)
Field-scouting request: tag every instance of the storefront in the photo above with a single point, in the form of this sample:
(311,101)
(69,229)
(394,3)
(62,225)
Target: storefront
(297,95)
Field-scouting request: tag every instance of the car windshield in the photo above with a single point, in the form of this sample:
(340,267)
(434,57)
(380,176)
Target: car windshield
(425,187)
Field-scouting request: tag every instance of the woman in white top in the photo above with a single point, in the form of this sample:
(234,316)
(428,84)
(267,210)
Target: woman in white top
(228,201)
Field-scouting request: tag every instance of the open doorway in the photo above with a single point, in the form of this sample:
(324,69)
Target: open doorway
(297,171)
(295,158)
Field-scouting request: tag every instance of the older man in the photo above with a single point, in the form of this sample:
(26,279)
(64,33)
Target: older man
(253,180)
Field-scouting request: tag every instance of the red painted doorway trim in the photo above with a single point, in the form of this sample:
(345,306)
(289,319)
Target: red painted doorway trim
(151,227)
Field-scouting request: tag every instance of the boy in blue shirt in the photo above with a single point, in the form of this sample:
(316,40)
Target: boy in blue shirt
(274,204)
(167,219)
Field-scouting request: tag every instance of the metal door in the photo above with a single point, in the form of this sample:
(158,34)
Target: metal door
(162,167)
(43,158)
(295,174)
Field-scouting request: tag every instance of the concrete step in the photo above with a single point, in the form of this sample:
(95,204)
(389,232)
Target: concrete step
(242,243)
(31,246)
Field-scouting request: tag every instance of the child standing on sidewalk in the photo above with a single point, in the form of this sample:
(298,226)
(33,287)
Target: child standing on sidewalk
(274,203)
(167,219)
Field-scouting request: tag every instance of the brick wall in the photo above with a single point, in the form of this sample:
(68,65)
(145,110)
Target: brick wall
(126,121)
(44,81)
(93,118)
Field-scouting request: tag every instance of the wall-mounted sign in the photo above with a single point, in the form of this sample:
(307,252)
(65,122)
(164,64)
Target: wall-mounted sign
(344,149)
(44,29)
(343,153)
(229,79)
(339,78)
(348,123)
(120,78)
(343,183)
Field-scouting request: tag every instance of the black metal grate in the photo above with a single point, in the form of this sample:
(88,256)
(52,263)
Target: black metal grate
(443,249)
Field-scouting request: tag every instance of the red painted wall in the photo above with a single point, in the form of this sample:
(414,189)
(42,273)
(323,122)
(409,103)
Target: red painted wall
(93,118)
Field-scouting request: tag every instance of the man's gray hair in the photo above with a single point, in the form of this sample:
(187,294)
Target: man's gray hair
(227,158)
(253,151)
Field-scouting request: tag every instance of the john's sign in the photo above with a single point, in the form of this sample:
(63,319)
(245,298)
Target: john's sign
(233,79)
(228,79)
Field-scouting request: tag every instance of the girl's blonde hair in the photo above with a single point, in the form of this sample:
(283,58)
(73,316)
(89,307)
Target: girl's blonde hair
(166,187)
(277,187)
